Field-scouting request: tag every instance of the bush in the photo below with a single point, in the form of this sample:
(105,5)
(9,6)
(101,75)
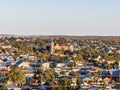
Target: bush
(3,87)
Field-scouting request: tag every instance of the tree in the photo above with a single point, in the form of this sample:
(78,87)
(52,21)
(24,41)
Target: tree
(74,74)
(44,76)
(99,72)
(64,84)
(77,76)
(79,58)
(15,75)
(72,64)
(62,72)
(61,40)
(3,87)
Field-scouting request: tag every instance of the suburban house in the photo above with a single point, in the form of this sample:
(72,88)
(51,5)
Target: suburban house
(22,64)
(5,46)
(26,67)
(60,65)
(112,74)
(31,57)
(45,65)
(108,51)
(96,57)
(10,86)
(118,51)
(25,55)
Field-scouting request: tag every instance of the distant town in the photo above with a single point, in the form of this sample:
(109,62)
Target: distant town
(59,62)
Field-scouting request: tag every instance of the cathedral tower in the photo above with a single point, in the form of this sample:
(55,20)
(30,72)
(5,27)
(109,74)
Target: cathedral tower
(52,47)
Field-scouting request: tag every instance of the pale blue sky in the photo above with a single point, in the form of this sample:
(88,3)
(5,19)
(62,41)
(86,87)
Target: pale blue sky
(60,17)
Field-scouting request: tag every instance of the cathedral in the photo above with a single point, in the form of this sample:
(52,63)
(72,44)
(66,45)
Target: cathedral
(56,46)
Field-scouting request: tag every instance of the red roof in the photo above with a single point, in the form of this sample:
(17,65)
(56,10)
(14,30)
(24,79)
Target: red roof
(64,44)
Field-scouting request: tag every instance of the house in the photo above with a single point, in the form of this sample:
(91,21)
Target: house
(18,63)
(67,61)
(47,48)
(22,64)
(10,57)
(26,67)
(3,56)
(5,46)
(12,87)
(118,51)
(25,55)
(110,62)
(116,75)
(60,65)
(28,56)
(57,70)
(112,74)
(108,51)
(3,69)
(96,57)
(112,47)
(45,65)
(87,57)
(17,40)
(28,79)
(1,60)
(31,57)
(29,74)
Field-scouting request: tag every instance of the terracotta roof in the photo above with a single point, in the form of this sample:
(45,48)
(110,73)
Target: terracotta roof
(65,44)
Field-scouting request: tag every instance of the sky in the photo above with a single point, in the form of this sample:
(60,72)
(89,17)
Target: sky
(60,17)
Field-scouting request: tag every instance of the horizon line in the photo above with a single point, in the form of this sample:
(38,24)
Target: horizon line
(53,35)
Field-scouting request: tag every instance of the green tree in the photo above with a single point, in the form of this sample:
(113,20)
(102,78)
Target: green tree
(43,76)
(77,76)
(64,84)
(72,64)
(3,87)
(62,72)
(74,74)
(16,75)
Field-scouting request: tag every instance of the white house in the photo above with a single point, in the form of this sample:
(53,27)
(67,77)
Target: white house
(60,65)
(45,65)
(118,51)
(5,47)
(23,64)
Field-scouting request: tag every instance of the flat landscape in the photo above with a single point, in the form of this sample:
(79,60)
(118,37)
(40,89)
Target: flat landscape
(59,62)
